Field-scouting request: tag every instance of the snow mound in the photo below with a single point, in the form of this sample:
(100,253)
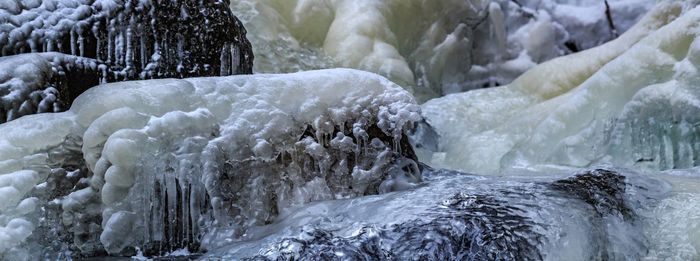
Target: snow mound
(167,164)
(430,47)
(631,102)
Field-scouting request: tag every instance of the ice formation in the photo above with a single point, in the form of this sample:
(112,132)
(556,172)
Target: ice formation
(42,82)
(299,166)
(134,38)
(87,42)
(163,164)
(631,102)
(594,215)
(430,47)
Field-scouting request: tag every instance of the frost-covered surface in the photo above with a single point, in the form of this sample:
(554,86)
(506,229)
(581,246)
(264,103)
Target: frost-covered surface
(631,102)
(163,164)
(430,47)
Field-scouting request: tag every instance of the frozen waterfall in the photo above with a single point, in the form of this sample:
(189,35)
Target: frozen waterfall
(362,130)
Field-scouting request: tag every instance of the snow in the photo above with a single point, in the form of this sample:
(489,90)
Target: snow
(631,102)
(431,48)
(146,141)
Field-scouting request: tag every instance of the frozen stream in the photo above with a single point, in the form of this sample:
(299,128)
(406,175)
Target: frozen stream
(370,130)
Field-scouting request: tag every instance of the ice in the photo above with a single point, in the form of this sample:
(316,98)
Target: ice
(127,34)
(430,47)
(166,164)
(459,216)
(631,102)
(83,43)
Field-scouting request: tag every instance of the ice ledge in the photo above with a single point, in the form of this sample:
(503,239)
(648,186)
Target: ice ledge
(205,153)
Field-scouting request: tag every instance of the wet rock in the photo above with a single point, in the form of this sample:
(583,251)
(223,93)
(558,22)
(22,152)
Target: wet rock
(602,189)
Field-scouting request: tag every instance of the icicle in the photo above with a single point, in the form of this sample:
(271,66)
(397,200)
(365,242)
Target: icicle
(129,56)
(499,28)
(235,59)
(81,45)
(33,44)
(73,41)
(142,48)
(171,192)
(225,61)
(180,53)
(119,48)
(98,40)
(130,43)
(110,44)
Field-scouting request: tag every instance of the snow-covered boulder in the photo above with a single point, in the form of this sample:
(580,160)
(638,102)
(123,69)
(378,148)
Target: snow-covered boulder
(160,164)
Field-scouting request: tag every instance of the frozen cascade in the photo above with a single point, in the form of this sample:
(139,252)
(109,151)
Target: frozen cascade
(589,156)
(164,164)
(108,41)
(630,102)
(430,47)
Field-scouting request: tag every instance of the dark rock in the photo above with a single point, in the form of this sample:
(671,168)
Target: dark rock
(602,189)
(130,40)
(465,227)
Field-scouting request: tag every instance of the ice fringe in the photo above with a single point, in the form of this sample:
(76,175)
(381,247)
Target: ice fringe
(163,164)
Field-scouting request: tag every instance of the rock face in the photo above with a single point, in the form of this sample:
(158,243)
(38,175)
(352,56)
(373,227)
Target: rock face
(114,41)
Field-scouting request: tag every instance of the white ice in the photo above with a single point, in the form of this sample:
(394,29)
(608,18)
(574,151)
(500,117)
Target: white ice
(430,47)
(631,102)
(146,136)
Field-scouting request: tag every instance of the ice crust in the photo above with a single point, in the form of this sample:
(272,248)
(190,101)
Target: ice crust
(202,153)
(631,102)
(430,47)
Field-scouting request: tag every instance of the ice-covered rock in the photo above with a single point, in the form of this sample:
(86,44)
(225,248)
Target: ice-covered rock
(631,102)
(597,214)
(165,164)
(90,42)
(133,38)
(430,47)
(42,82)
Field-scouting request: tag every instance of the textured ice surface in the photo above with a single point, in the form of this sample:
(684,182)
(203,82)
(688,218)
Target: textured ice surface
(595,215)
(165,164)
(432,47)
(42,82)
(632,102)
